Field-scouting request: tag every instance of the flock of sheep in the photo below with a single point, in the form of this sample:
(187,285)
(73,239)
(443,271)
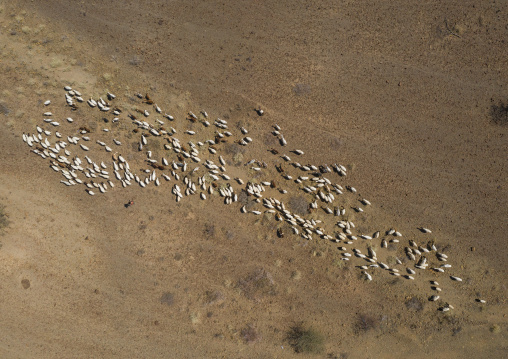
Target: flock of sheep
(194,162)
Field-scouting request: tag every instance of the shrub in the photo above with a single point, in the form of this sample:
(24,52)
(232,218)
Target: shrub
(305,340)
(499,114)
(4,220)
(250,334)
(298,205)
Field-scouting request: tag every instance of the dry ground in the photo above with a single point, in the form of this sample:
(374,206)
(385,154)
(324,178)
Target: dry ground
(409,95)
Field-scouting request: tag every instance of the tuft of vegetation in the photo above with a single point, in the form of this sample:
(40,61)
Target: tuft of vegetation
(135,61)
(243,198)
(415,303)
(298,205)
(236,152)
(301,89)
(4,109)
(336,143)
(4,218)
(209,231)
(167,298)
(213,296)
(305,340)
(257,285)
(496,329)
(250,334)
(366,322)
(499,114)
(343,355)
(234,148)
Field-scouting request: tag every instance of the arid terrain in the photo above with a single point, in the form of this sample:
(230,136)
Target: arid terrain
(411,97)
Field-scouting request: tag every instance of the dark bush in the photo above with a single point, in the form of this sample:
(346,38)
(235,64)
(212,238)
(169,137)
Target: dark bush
(366,322)
(499,114)
(305,340)
(4,220)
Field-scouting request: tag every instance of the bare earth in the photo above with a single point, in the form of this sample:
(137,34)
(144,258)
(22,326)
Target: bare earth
(406,94)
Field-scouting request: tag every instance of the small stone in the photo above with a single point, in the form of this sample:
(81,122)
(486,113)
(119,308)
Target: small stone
(25,283)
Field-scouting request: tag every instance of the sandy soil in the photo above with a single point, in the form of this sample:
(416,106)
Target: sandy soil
(405,94)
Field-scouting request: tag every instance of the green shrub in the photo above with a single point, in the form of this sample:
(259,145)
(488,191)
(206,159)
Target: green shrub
(305,340)
(4,218)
